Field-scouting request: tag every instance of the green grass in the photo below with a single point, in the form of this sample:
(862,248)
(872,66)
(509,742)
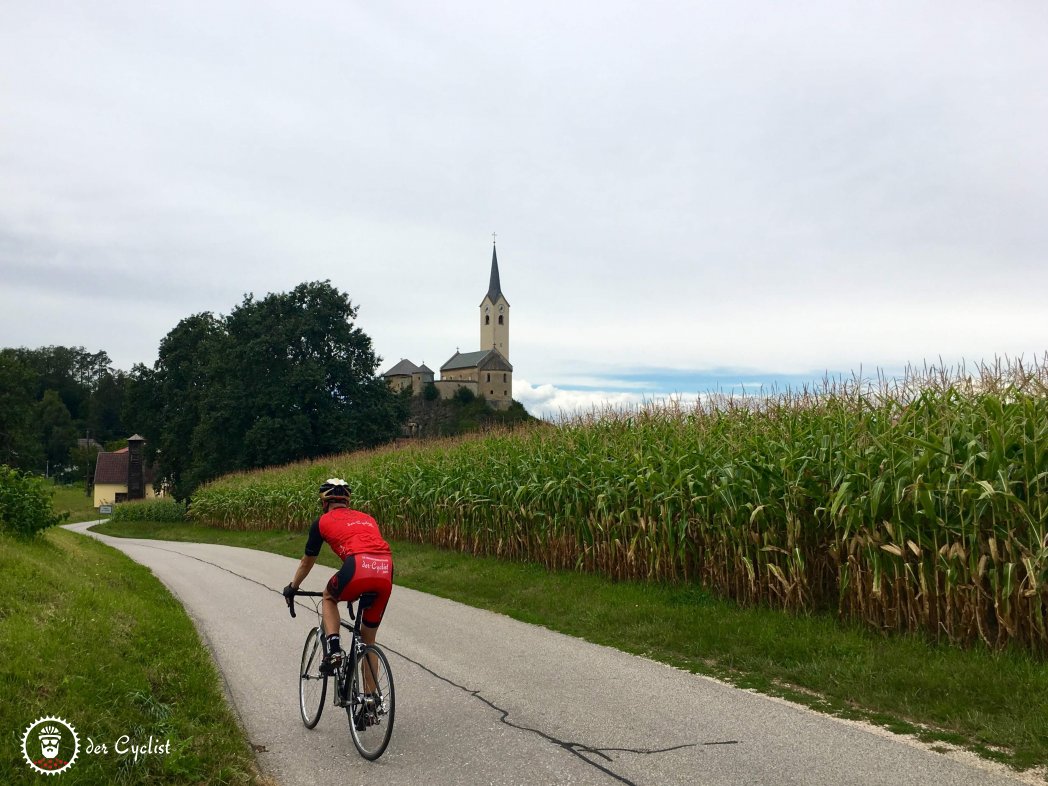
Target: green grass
(90,636)
(73,500)
(990,703)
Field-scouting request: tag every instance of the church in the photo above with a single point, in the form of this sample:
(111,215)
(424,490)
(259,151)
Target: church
(486,372)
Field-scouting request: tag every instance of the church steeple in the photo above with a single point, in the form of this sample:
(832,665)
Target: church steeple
(494,313)
(495,287)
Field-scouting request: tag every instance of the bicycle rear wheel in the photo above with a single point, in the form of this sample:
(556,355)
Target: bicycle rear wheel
(312,685)
(372,703)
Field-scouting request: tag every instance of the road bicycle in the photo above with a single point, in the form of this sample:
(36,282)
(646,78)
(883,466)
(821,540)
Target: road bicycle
(362,681)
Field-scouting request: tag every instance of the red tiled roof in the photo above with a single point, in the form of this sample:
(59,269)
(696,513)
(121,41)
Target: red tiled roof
(112,467)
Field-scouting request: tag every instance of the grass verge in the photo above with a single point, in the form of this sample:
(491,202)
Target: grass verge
(992,704)
(74,501)
(94,638)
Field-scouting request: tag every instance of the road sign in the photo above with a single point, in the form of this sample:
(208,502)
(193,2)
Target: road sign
(105,509)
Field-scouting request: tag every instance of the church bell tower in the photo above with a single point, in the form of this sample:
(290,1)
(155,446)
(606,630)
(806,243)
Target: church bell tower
(494,313)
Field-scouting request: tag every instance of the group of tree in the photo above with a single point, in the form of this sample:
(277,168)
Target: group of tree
(279,379)
(57,404)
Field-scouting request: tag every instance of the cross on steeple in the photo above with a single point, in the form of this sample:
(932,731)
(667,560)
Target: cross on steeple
(492,238)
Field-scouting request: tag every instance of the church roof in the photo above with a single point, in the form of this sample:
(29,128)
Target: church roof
(494,285)
(465,359)
(112,467)
(424,369)
(405,368)
(482,358)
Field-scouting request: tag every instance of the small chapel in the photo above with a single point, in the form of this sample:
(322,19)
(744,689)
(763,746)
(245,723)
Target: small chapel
(486,372)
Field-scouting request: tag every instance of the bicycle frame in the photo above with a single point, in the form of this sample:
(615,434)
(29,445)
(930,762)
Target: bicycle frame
(353,651)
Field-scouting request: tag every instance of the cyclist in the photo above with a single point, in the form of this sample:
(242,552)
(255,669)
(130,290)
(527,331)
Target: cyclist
(367,566)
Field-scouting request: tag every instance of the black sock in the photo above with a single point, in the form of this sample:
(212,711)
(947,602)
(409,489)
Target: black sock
(334,643)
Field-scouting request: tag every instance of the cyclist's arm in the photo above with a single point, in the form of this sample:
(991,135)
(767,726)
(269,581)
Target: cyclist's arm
(313,544)
(304,567)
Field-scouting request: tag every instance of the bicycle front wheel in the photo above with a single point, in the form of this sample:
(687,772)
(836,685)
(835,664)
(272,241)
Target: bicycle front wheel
(312,685)
(372,703)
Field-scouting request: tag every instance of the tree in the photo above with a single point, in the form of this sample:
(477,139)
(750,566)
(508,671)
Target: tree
(171,397)
(19,446)
(106,407)
(91,400)
(140,410)
(56,429)
(279,379)
(464,395)
(71,371)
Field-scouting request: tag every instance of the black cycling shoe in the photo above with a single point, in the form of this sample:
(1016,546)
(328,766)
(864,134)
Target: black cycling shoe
(330,664)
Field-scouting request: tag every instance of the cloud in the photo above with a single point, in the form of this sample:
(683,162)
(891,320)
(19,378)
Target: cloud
(583,393)
(683,186)
(551,402)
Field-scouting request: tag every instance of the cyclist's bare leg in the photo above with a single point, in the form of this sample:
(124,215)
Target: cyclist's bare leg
(368,634)
(331,616)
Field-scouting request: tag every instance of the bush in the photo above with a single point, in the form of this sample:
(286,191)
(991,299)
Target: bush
(164,509)
(25,504)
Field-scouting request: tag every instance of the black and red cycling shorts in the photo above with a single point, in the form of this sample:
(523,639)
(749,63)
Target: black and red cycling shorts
(362,573)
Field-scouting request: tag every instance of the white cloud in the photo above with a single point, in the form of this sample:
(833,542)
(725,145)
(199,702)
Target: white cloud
(552,403)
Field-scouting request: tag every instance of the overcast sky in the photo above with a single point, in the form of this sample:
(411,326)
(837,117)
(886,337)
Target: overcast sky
(685,194)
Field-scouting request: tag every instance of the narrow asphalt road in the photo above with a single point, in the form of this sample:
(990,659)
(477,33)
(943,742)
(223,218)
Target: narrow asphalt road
(484,699)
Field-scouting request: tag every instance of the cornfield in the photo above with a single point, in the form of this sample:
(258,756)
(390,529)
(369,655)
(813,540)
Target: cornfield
(164,509)
(912,505)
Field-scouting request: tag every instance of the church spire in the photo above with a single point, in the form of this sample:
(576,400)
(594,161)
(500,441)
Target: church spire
(494,287)
(494,313)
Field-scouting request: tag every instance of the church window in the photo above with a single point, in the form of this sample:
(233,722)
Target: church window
(504,378)
(487,319)
(500,319)
(489,377)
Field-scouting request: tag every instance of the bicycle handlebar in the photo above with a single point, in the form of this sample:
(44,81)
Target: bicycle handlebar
(291,604)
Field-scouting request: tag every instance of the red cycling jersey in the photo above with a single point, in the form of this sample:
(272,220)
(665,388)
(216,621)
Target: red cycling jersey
(348,532)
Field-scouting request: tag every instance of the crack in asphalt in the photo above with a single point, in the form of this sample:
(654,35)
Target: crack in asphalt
(577,749)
